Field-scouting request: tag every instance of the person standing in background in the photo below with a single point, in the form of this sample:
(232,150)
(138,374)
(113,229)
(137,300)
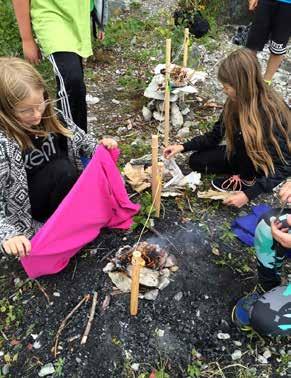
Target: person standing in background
(63,33)
(272,22)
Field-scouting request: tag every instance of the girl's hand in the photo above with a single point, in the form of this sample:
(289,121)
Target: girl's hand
(171,151)
(238,199)
(109,143)
(31,51)
(253,4)
(18,246)
(101,35)
(285,192)
(281,234)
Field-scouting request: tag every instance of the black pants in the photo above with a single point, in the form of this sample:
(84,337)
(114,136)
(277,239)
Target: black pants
(272,22)
(71,89)
(48,187)
(215,161)
(268,315)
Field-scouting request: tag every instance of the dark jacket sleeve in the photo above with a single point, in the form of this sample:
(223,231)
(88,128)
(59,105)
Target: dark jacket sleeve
(208,140)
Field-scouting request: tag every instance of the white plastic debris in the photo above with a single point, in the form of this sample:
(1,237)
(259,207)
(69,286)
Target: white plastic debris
(46,370)
(236,355)
(237,343)
(178,296)
(56,294)
(91,100)
(267,354)
(160,332)
(116,102)
(262,359)
(135,366)
(36,345)
(223,336)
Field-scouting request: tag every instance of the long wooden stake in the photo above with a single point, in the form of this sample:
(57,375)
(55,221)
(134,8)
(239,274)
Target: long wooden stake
(167,93)
(137,262)
(90,320)
(186,47)
(157,202)
(155,149)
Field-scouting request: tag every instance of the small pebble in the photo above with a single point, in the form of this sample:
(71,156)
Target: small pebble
(56,294)
(135,366)
(236,355)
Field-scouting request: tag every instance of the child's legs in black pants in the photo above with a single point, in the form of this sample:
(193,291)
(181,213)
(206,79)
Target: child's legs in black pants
(49,186)
(270,313)
(71,89)
(214,161)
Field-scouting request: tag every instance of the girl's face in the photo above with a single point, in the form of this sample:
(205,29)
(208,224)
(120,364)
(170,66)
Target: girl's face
(229,91)
(30,110)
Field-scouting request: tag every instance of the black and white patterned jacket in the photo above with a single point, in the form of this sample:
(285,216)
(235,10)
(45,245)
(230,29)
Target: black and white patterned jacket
(15,209)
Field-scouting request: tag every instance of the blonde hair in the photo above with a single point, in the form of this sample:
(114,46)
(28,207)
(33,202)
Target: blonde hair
(17,79)
(257,109)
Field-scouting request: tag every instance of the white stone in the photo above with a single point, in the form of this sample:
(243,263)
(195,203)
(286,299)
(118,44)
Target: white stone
(267,354)
(176,116)
(223,336)
(160,332)
(164,282)
(147,114)
(236,355)
(115,101)
(262,359)
(178,296)
(183,133)
(91,100)
(56,294)
(171,261)
(151,295)
(135,366)
(36,345)
(237,343)
(158,116)
(46,370)
(109,267)
(148,277)
(121,281)
(185,111)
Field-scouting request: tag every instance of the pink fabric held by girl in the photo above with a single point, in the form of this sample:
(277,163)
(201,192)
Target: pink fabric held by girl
(97,200)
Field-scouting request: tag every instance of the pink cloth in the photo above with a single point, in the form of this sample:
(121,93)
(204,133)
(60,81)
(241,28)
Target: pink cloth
(97,200)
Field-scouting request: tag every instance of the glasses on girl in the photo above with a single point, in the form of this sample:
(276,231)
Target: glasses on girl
(29,112)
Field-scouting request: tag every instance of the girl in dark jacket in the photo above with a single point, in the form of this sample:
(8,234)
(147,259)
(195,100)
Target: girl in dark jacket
(255,124)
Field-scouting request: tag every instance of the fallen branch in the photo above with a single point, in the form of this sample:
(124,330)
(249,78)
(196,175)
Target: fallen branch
(90,320)
(3,334)
(43,291)
(64,323)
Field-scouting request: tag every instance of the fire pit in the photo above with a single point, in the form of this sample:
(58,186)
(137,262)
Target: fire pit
(154,276)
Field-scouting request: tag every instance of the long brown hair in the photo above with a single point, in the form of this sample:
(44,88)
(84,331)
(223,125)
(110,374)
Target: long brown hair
(17,79)
(258,108)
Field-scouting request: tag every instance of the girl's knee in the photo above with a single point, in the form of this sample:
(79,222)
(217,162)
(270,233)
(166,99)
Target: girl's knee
(195,162)
(270,314)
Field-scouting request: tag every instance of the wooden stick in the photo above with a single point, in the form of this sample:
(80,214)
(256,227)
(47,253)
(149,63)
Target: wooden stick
(137,262)
(157,201)
(90,320)
(155,148)
(167,93)
(64,322)
(43,291)
(186,47)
